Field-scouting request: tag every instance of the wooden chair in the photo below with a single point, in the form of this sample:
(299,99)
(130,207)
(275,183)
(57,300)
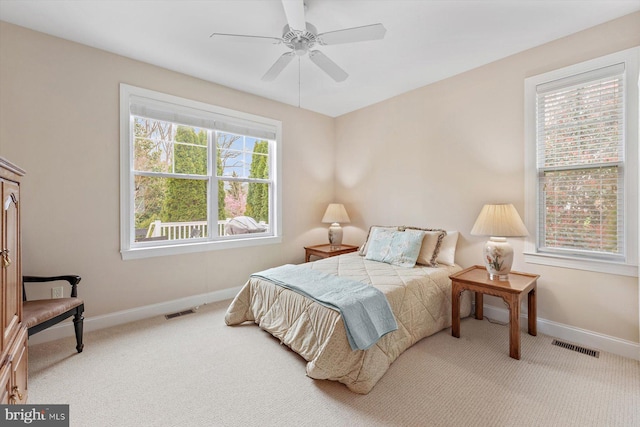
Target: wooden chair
(39,315)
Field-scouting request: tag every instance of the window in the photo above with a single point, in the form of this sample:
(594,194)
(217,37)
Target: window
(582,165)
(194,176)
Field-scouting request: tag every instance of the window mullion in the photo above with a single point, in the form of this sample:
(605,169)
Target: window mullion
(543,169)
(170,175)
(212,185)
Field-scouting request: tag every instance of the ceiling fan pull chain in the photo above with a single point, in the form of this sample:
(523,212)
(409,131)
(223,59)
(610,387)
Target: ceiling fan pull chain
(298,82)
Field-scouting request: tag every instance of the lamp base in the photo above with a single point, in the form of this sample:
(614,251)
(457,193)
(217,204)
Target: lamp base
(335,235)
(498,258)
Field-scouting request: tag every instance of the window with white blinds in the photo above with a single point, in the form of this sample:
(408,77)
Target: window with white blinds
(580,146)
(581,127)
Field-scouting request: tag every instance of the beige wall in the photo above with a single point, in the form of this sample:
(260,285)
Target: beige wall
(59,120)
(430,157)
(435,155)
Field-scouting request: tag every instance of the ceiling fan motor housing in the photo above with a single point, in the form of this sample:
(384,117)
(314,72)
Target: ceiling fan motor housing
(300,41)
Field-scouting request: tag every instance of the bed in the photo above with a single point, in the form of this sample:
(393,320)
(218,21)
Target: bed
(419,297)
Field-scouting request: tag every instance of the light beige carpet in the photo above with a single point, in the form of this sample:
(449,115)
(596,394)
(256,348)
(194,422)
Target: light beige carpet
(196,371)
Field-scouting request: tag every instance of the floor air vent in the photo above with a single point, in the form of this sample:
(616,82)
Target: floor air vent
(180,313)
(583,350)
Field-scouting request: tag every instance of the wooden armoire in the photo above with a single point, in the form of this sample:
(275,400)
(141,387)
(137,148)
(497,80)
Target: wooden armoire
(13,340)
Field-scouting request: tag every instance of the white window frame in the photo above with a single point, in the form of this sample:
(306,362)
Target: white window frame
(232,122)
(628,266)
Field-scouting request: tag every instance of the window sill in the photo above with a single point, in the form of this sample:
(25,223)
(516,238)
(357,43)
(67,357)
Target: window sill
(187,248)
(582,264)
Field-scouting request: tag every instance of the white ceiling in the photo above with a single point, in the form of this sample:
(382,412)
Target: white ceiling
(426,40)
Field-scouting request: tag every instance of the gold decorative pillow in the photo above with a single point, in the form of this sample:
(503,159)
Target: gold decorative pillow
(447,252)
(430,247)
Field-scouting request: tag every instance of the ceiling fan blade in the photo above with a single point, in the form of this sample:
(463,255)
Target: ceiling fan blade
(328,66)
(277,67)
(294,9)
(351,35)
(245,39)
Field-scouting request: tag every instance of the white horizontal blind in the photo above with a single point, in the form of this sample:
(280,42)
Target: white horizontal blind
(167,112)
(580,161)
(170,112)
(247,129)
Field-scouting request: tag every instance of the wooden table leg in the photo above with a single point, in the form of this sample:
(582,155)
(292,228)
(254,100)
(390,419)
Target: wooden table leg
(479,306)
(455,309)
(532,312)
(514,326)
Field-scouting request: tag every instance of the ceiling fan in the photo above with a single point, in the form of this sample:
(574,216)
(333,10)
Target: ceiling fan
(300,36)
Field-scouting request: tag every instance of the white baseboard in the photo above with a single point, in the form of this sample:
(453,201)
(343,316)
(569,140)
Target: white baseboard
(65,329)
(557,330)
(572,334)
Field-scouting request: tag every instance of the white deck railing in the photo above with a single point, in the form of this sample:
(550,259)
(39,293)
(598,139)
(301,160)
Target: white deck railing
(181,230)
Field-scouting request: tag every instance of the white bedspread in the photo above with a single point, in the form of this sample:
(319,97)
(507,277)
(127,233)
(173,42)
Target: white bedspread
(420,299)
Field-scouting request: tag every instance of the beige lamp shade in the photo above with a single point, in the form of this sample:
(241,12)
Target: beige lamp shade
(336,213)
(499,220)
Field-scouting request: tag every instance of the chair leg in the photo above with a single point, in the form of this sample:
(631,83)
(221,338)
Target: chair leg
(78,322)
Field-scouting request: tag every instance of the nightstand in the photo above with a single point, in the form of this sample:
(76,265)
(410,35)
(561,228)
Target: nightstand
(477,279)
(326,251)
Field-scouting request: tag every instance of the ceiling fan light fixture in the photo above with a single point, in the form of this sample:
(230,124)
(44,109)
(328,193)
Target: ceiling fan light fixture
(300,48)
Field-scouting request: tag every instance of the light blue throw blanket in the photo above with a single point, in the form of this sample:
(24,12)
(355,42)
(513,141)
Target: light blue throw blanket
(365,310)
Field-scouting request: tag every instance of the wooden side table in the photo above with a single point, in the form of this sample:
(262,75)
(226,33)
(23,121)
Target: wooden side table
(326,251)
(476,279)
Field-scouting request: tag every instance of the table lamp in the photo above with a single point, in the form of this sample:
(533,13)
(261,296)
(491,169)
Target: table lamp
(335,214)
(498,222)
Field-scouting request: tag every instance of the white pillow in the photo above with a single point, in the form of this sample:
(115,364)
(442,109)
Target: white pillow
(447,252)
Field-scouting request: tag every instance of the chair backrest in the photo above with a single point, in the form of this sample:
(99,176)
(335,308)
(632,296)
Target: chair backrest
(72,279)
